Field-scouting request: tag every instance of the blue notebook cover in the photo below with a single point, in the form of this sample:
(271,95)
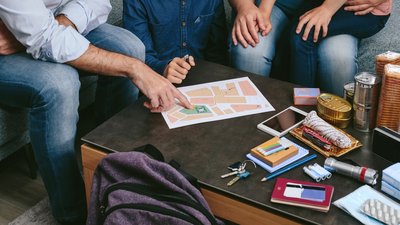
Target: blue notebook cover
(302,152)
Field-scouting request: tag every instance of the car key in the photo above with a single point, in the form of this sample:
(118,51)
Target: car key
(239,176)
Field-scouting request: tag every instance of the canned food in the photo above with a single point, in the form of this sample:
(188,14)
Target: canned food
(365,102)
(333,106)
(348,92)
(337,122)
(366,89)
(364,118)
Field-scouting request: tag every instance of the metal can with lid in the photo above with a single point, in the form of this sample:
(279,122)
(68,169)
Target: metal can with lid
(366,89)
(348,92)
(365,102)
(334,109)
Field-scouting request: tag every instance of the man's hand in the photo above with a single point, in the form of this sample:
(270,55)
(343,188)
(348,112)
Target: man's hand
(8,44)
(362,7)
(318,18)
(248,22)
(160,92)
(178,68)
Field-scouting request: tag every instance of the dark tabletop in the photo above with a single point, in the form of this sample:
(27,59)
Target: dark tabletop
(205,150)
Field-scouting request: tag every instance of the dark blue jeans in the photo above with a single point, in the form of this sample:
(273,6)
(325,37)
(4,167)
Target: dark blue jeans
(51,93)
(304,54)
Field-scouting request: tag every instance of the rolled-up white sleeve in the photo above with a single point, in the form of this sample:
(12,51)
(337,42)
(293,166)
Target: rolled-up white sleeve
(35,27)
(86,15)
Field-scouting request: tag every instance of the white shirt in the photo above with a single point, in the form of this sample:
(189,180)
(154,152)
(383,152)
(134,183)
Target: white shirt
(33,24)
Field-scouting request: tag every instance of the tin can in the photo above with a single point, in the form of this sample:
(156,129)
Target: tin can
(334,109)
(366,89)
(365,102)
(348,92)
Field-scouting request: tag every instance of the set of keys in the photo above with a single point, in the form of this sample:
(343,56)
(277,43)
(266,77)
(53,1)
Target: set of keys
(239,172)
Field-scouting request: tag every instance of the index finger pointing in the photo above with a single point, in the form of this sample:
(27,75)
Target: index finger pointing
(182,99)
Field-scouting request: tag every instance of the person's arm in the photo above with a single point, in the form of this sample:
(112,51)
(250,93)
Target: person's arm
(318,18)
(86,15)
(159,90)
(248,22)
(35,27)
(8,44)
(362,7)
(266,9)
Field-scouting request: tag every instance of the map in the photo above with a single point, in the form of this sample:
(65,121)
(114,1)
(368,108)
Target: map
(217,101)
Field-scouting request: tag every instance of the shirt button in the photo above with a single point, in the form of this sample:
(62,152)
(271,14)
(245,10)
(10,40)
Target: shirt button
(183,23)
(184,44)
(183,2)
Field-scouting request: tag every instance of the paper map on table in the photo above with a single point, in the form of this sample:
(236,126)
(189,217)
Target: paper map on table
(217,101)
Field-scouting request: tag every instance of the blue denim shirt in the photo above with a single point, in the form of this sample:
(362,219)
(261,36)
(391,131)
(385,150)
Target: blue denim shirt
(174,28)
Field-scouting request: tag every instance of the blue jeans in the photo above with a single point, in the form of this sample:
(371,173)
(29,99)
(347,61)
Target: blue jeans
(305,55)
(259,59)
(51,93)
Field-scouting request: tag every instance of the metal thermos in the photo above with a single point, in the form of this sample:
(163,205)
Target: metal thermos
(365,101)
(363,174)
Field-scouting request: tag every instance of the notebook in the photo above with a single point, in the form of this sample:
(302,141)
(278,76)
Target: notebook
(285,147)
(300,154)
(303,194)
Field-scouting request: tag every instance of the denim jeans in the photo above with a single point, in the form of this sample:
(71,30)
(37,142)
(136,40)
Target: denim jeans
(259,59)
(305,65)
(51,93)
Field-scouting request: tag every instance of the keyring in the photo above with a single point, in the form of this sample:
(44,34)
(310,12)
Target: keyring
(244,164)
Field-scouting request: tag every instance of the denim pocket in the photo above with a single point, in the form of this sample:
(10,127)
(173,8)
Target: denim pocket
(202,26)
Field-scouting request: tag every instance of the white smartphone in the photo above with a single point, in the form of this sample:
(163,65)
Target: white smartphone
(283,122)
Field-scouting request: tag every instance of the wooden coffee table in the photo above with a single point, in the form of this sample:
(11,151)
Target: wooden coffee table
(205,150)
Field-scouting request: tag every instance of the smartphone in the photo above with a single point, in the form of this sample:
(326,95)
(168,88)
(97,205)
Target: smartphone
(283,122)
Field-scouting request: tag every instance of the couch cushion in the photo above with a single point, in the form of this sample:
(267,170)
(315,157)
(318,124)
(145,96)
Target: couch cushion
(87,93)
(386,40)
(13,122)
(115,16)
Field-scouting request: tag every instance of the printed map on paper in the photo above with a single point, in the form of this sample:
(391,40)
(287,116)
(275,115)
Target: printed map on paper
(217,101)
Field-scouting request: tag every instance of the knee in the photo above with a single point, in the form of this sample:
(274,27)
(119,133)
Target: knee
(339,48)
(60,89)
(131,45)
(333,58)
(259,52)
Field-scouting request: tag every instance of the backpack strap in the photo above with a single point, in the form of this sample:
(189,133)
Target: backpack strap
(189,177)
(154,153)
(151,151)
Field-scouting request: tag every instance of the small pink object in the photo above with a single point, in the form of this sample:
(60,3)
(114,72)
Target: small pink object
(306,96)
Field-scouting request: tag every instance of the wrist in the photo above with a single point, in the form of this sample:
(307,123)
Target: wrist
(330,7)
(266,6)
(132,69)
(244,5)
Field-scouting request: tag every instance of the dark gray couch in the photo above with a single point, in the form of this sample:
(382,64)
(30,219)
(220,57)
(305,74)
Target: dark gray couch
(13,122)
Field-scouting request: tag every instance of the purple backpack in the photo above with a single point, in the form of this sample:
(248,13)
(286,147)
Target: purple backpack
(133,188)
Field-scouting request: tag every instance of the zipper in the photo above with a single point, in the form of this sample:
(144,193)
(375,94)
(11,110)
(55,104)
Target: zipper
(167,196)
(155,209)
